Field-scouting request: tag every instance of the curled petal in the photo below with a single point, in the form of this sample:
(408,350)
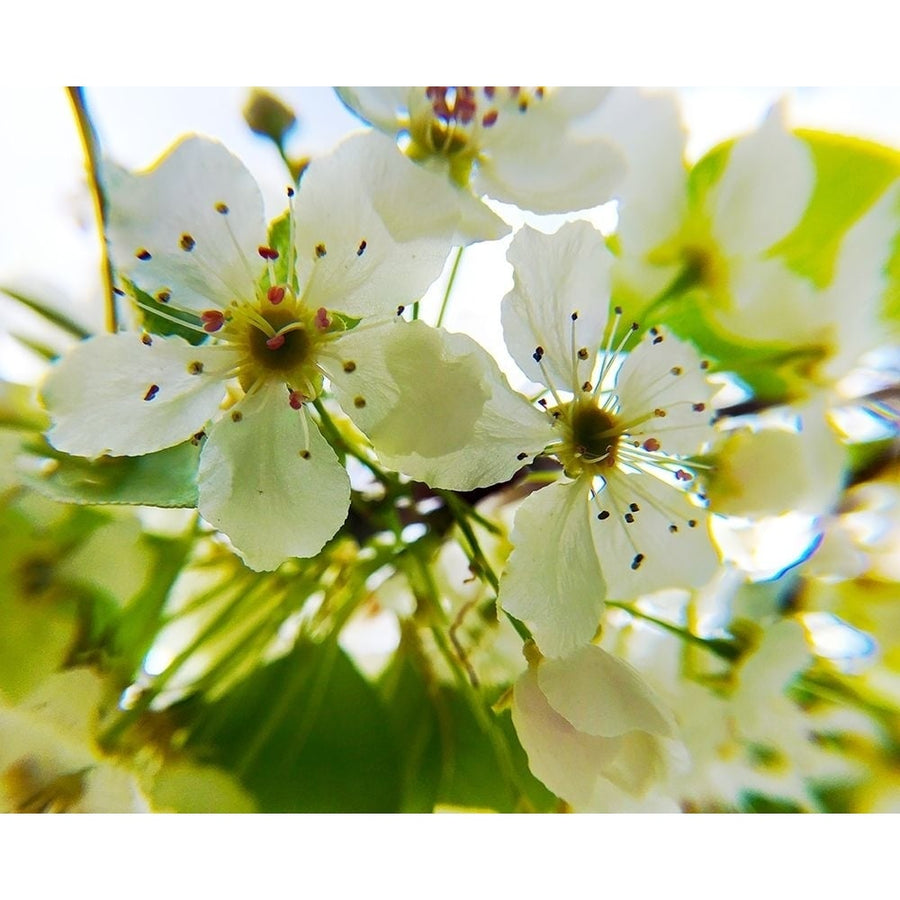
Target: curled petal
(434,404)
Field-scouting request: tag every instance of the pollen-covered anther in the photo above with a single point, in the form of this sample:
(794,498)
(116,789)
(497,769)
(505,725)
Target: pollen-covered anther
(222,208)
(349,366)
(681,475)
(320,251)
(195,367)
(583,353)
(275,294)
(296,399)
(152,391)
(651,445)
(359,402)
(698,407)
(323,320)
(267,252)
(659,413)
(187,242)
(146,340)
(212,319)
(276,342)
(676,370)
(587,387)
(142,254)
(164,296)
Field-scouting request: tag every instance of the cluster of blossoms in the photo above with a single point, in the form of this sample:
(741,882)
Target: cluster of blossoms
(289,357)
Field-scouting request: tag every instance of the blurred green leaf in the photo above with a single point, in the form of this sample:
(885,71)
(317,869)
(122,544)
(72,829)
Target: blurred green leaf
(167,478)
(306,733)
(47,312)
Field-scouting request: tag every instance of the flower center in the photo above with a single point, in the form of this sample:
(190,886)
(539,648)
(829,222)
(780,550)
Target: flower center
(290,348)
(590,437)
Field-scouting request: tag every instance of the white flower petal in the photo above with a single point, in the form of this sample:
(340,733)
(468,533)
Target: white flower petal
(568,762)
(658,547)
(553,581)
(538,161)
(478,222)
(435,404)
(167,235)
(373,229)
(647,128)
(774,471)
(384,107)
(662,382)
(764,190)
(601,694)
(555,276)
(117,394)
(258,485)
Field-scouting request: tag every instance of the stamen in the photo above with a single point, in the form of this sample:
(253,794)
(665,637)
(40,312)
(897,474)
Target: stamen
(291,235)
(212,319)
(275,294)
(323,322)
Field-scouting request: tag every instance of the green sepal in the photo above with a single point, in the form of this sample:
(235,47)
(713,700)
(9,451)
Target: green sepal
(158,324)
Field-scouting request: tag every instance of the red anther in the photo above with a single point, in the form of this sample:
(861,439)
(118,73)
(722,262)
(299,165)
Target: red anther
(489,92)
(651,445)
(296,399)
(275,294)
(681,475)
(212,319)
(323,322)
(465,107)
(273,343)
(489,118)
(267,252)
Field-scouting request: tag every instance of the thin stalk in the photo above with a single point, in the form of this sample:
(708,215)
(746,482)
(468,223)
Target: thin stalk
(91,145)
(449,288)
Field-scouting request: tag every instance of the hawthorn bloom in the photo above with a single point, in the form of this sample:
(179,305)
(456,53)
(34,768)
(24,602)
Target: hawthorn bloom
(190,232)
(528,146)
(594,732)
(627,515)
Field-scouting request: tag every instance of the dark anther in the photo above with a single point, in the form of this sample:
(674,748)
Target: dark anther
(521,456)
(603,514)
(636,562)
(361,248)
(629,518)
(187,242)
(152,391)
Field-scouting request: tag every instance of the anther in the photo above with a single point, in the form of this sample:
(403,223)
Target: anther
(142,254)
(222,209)
(692,523)
(118,292)
(673,529)
(538,354)
(543,402)
(187,242)
(489,118)
(681,475)
(195,440)
(212,319)
(276,342)
(290,191)
(164,296)
(400,310)
(651,445)
(634,326)
(634,507)
(236,416)
(349,366)
(296,399)
(275,294)
(361,248)
(146,340)
(618,310)
(304,454)
(195,367)
(521,456)
(152,391)
(574,316)
(603,514)
(320,250)
(587,387)
(675,370)
(636,562)
(359,402)
(583,353)
(658,339)
(704,364)
(659,413)
(267,252)
(323,322)
(698,407)
(629,518)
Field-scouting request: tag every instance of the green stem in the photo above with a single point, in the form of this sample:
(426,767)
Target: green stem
(449,288)
(91,146)
(461,512)
(720,647)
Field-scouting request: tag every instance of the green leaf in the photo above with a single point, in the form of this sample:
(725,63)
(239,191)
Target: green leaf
(305,733)
(54,316)
(446,755)
(167,478)
(158,318)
